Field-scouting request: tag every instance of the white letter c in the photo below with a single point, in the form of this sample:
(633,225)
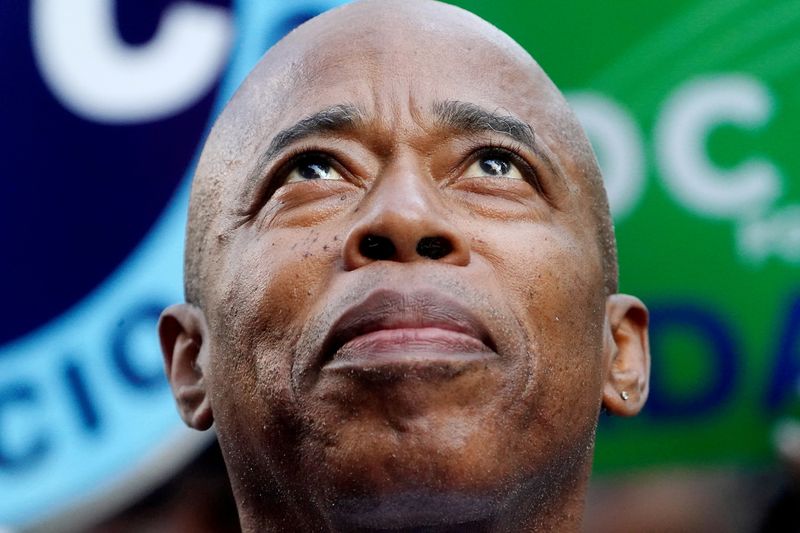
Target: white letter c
(100,78)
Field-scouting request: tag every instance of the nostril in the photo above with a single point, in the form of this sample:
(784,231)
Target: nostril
(434,247)
(377,248)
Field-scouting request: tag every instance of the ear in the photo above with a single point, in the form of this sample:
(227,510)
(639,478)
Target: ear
(183,332)
(627,351)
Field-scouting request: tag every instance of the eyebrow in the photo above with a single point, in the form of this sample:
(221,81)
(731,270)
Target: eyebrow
(331,119)
(452,114)
(339,117)
(472,118)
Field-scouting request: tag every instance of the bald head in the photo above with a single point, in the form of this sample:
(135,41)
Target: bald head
(403,266)
(384,55)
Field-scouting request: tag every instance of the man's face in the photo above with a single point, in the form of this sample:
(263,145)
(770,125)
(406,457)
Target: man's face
(407,302)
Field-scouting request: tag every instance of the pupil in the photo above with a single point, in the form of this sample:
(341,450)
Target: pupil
(495,167)
(313,171)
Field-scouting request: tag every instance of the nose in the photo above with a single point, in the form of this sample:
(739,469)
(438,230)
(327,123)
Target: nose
(403,218)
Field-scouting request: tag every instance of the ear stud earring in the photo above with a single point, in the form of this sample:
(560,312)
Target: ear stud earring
(624,395)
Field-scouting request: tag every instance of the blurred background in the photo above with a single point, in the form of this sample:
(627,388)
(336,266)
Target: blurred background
(693,108)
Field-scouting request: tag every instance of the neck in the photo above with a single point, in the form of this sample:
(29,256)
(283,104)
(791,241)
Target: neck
(524,512)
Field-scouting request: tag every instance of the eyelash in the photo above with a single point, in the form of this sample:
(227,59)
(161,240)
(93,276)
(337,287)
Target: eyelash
(275,179)
(299,154)
(511,151)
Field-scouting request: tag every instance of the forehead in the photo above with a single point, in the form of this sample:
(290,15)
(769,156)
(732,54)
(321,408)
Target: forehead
(390,73)
(395,66)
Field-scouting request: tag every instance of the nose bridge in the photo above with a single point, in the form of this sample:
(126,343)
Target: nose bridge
(404,190)
(404,218)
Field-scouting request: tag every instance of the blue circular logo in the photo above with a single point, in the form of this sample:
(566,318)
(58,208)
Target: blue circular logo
(103,122)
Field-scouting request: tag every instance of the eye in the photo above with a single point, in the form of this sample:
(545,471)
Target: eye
(312,167)
(494,165)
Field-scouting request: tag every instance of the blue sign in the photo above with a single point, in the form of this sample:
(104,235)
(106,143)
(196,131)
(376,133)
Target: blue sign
(104,118)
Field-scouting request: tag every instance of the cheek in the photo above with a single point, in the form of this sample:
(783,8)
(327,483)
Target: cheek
(555,290)
(270,280)
(555,282)
(269,283)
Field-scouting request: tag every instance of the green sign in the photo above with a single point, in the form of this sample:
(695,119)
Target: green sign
(694,110)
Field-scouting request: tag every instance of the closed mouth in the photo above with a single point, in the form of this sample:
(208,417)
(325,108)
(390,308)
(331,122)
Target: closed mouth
(390,329)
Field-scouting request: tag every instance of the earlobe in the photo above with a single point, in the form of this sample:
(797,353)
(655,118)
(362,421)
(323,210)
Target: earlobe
(182,330)
(627,355)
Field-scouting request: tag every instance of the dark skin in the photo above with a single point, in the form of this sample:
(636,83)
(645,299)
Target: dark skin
(400,316)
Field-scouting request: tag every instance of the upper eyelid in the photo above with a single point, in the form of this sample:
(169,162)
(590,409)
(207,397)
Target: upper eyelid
(304,157)
(339,161)
(275,175)
(515,153)
(511,150)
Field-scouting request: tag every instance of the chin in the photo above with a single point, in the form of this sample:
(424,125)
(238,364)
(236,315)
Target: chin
(437,471)
(441,472)
(415,508)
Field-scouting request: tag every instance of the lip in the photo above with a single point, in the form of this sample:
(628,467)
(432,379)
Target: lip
(390,331)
